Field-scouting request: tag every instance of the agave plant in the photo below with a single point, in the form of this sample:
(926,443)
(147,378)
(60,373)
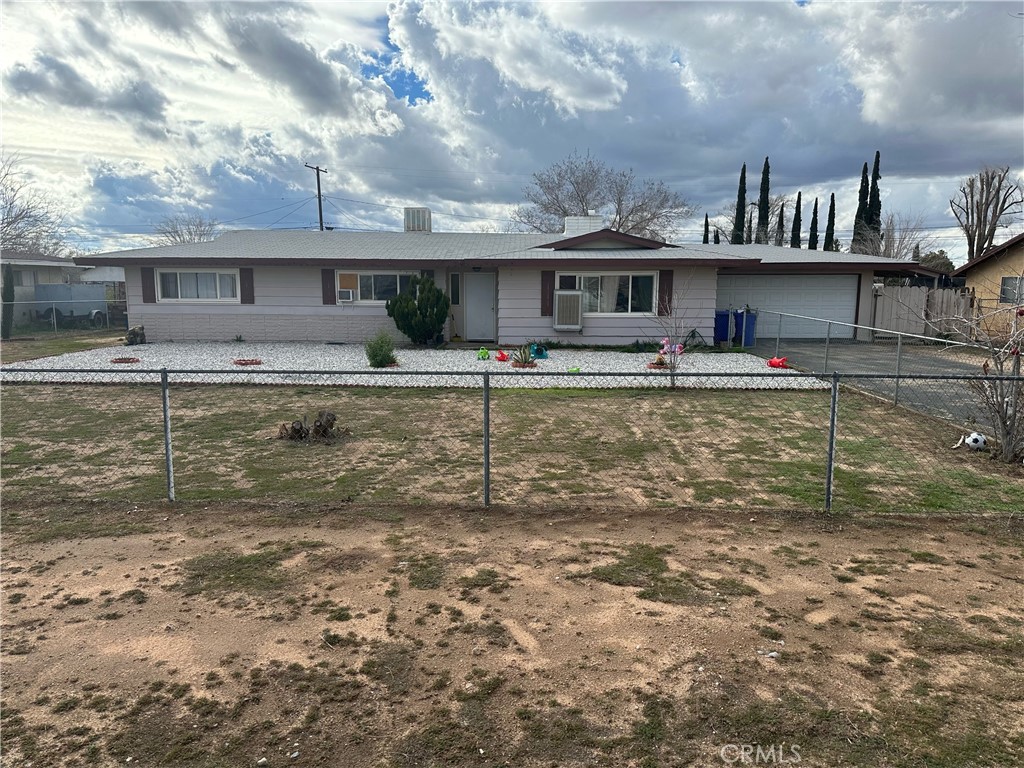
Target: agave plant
(521,355)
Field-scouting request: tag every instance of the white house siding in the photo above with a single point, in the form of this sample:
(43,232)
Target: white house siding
(288,307)
(519,318)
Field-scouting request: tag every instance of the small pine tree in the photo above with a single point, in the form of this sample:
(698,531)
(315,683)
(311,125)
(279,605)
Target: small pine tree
(7,318)
(741,207)
(780,230)
(420,311)
(718,239)
(748,238)
(794,238)
(812,238)
(707,229)
(830,225)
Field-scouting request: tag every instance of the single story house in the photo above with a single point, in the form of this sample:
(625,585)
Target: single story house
(587,285)
(996,278)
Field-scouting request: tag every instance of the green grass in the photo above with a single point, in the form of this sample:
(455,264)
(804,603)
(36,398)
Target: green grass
(721,449)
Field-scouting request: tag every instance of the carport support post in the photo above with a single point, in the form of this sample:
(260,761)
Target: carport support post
(53,315)
(487,439)
(828,338)
(830,466)
(168,459)
(899,356)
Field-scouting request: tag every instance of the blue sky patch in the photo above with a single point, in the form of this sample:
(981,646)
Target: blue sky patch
(404,83)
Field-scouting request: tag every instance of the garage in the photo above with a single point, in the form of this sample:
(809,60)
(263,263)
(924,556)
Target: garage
(829,297)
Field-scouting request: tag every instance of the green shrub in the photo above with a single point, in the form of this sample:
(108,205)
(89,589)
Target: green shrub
(420,311)
(380,350)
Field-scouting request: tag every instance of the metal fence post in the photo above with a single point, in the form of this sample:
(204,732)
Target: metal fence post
(778,335)
(832,418)
(168,459)
(899,357)
(487,439)
(828,338)
(53,315)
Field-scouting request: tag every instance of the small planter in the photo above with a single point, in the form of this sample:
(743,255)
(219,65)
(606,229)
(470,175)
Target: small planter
(524,365)
(124,360)
(248,361)
(660,367)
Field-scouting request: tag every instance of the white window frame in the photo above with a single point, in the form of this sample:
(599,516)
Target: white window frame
(236,299)
(1005,283)
(358,293)
(579,287)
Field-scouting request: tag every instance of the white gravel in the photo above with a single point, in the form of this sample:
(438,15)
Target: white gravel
(346,364)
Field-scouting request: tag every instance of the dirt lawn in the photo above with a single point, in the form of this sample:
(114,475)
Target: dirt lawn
(312,635)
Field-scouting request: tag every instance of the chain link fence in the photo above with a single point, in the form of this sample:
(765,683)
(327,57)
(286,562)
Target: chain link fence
(789,440)
(56,316)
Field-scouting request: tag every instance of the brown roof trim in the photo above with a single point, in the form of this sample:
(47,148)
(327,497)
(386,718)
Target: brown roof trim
(614,258)
(995,250)
(832,267)
(605,234)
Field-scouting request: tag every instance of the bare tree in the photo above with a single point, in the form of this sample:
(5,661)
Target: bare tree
(29,220)
(723,220)
(185,228)
(581,184)
(982,202)
(899,237)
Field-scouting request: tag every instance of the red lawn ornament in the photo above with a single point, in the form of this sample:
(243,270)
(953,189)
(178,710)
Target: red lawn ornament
(778,362)
(502,356)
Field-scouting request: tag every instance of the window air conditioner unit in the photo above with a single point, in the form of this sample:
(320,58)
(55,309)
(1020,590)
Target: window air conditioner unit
(346,294)
(568,311)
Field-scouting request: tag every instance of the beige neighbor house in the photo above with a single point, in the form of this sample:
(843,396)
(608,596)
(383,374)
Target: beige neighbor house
(587,285)
(996,278)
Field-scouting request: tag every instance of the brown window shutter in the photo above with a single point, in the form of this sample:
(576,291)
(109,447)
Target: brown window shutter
(330,292)
(665,291)
(547,293)
(245,284)
(148,286)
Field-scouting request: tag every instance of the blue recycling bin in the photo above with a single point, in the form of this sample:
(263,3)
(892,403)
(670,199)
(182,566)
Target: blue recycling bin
(721,325)
(745,334)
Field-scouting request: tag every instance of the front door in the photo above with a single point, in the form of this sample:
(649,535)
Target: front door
(480,298)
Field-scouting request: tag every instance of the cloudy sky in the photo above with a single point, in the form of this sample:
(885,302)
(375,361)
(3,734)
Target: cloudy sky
(131,112)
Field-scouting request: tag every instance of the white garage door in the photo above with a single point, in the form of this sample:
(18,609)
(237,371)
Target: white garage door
(830,297)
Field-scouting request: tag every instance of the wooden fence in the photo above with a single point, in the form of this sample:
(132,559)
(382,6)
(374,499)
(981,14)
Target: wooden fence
(934,312)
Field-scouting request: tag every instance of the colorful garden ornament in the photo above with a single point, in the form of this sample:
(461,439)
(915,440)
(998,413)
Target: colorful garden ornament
(502,356)
(483,354)
(778,362)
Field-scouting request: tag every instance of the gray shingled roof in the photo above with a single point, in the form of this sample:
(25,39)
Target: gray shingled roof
(264,245)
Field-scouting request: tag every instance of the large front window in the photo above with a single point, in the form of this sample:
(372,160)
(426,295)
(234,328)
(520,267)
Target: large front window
(198,286)
(371,286)
(611,293)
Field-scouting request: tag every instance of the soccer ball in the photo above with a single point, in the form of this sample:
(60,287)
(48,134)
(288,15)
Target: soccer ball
(975,441)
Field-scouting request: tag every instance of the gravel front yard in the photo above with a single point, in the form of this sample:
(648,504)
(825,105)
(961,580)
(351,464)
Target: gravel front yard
(299,363)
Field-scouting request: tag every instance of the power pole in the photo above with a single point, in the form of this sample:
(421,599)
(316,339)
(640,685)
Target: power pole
(319,197)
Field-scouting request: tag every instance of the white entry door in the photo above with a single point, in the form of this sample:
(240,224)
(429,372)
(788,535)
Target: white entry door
(480,298)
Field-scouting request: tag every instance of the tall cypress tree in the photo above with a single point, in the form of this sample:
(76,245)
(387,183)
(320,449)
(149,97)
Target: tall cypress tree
(873,216)
(812,238)
(748,237)
(794,238)
(762,206)
(859,244)
(780,230)
(718,240)
(830,226)
(707,230)
(741,208)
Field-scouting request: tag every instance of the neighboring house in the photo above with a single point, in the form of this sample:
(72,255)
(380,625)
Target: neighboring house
(996,278)
(588,285)
(44,284)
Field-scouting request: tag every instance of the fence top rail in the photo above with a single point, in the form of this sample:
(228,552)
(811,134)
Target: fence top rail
(932,339)
(659,375)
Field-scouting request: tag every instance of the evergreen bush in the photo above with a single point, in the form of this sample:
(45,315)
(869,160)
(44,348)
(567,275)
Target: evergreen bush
(7,320)
(380,350)
(420,311)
